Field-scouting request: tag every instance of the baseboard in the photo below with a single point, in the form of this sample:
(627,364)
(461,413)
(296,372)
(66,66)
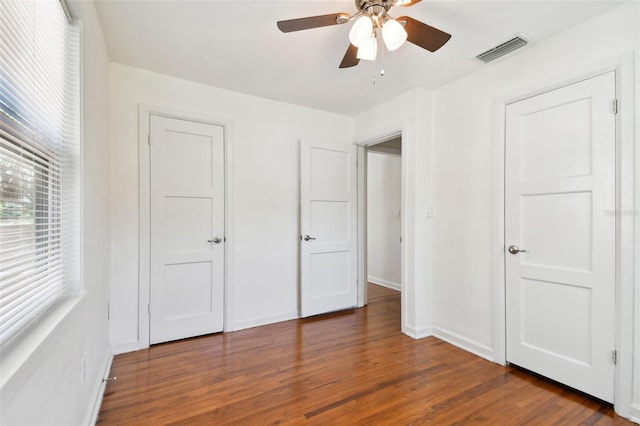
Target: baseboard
(384,283)
(258,321)
(92,415)
(464,343)
(634,412)
(417,333)
(124,347)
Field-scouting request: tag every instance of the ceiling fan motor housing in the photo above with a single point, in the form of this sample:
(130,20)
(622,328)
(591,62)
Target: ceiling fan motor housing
(365,5)
(376,9)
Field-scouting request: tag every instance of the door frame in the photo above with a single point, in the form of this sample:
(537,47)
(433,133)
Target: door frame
(383,152)
(144,187)
(625,190)
(362,220)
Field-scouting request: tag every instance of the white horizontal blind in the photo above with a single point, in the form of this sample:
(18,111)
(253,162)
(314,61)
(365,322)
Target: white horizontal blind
(39,87)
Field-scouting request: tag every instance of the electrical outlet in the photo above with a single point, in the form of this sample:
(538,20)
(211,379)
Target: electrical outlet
(83,369)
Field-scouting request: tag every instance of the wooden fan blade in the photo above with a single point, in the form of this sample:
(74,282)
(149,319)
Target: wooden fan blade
(350,58)
(410,3)
(423,35)
(311,22)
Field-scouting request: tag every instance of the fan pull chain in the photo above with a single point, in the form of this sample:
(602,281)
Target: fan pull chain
(381,65)
(373,63)
(382,61)
(373,77)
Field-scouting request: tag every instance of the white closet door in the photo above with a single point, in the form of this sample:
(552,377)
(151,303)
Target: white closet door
(187,229)
(560,234)
(328,223)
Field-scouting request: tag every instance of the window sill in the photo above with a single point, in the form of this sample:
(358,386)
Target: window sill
(23,347)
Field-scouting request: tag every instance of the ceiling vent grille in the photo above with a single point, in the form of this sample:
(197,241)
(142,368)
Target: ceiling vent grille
(502,49)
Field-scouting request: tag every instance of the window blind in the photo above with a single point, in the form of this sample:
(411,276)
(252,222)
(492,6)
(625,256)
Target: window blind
(39,133)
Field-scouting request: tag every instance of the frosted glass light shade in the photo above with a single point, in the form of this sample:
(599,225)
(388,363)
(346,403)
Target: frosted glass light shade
(394,34)
(361,31)
(368,51)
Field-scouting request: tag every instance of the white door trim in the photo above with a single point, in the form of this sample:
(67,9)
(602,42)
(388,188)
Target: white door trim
(362,221)
(144,237)
(625,189)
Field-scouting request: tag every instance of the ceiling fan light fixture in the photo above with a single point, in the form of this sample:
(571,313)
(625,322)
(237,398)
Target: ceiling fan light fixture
(369,51)
(371,16)
(361,30)
(393,34)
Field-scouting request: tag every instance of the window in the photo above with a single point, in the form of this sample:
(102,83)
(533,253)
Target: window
(39,86)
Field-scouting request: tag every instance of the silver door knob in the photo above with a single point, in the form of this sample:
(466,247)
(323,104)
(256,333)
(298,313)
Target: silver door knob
(515,250)
(216,240)
(307,238)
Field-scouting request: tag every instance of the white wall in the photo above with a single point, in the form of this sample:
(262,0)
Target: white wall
(450,141)
(265,193)
(383,219)
(465,191)
(410,114)
(47,388)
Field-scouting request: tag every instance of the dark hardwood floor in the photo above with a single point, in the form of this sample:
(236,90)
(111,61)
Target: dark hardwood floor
(353,367)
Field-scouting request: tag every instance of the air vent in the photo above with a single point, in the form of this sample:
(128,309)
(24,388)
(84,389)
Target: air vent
(502,49)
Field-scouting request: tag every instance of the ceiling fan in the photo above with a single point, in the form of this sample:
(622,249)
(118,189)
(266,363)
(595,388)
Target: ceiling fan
(372,16)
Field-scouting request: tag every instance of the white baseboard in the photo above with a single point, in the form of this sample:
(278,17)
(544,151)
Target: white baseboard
(384,283)
(417,333)
(464,343)
(258,321)
(134,345)
(92,416)
(634,414)
(124,347)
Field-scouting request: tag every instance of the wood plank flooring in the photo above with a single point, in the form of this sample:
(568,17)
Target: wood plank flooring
(353,367)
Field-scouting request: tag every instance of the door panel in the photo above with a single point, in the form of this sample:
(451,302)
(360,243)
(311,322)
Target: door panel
(190,297)
(186,221)
(568,243)
(551,139)
(328,261)
(187,212)
(559,186)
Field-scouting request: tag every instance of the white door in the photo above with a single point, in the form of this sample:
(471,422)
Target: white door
(559,202)
(187,229)
(328,222)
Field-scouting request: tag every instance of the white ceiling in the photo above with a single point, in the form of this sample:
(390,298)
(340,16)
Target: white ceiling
(235,44)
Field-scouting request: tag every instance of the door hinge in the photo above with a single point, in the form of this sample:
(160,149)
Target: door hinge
(614,356)
(149,138)
(108,311)
(614,106)
(149,308)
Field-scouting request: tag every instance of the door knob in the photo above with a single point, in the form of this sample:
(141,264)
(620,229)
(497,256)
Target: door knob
(216,240)
(307,238)
(515,250)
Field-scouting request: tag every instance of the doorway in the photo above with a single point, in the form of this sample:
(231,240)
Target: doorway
(383,188)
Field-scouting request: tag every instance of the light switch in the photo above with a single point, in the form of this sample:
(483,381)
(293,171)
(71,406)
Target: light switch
(428,212)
